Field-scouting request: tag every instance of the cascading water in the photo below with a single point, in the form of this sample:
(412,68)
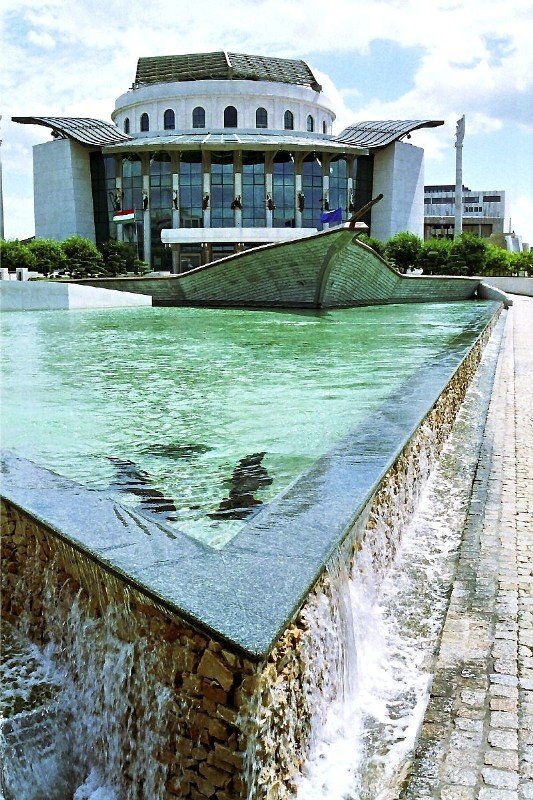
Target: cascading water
(394,600)
(84,715)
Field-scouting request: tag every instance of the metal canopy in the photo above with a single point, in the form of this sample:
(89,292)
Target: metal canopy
(381,133)
(223,66)
(84,130)
(251,140)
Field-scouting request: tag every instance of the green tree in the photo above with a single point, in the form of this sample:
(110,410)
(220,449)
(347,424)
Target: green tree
(83,257)
(49,255)
(375,244)
(468,255)
(497,261)
(119,257)
(403,250)
(435,256)
(523,262)
(15,255)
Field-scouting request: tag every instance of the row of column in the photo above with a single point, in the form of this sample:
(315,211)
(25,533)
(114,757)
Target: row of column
(325,159)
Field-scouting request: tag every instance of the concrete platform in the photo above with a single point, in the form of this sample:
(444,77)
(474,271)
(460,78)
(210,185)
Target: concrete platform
(47,295)
(477,739)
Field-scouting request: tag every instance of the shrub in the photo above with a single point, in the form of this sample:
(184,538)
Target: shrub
(119,257)
(84,258)
(522,262)
(49,255)
(468,255)
(15,255)
(375,244)
(497,261)
(403,250)
(435,256)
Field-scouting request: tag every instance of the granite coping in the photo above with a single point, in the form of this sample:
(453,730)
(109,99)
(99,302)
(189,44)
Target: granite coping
(246,593)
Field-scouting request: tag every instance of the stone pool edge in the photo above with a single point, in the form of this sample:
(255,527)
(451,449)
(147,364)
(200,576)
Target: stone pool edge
(246,594)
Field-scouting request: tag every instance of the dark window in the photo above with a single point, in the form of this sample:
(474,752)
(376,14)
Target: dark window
(310,124)
(222,190)
(127,125)
(230,117)
(312,187)
(261,118)
(133,198)
(253,190)
(198,117)
(145,122)
(440,201)
(491,198)
(283,190)
(338,185)
(471,199)
(160,208)
(191,190)
(169,120)
(324,127)
(288,121)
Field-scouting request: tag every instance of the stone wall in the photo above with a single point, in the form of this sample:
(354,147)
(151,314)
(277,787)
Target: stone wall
(193,718)
(187,693)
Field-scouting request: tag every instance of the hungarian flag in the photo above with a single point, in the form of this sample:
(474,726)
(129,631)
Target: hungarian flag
(120,217)
(332,216)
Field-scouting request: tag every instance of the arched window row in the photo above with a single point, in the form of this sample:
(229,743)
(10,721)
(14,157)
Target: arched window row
(230,120)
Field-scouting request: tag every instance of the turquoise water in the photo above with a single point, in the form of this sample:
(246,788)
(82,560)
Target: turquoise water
(187,413)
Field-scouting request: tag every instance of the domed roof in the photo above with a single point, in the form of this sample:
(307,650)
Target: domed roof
(223,66)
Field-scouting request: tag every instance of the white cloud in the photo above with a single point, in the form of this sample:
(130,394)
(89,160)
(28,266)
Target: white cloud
(74,58)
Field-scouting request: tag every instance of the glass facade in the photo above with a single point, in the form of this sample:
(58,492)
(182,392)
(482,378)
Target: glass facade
(283,191)
(132,189)
(222,190)
(191,189)
(253,190)
(160,208)
(363,177)
(338,185)
(312,187)
(103,191)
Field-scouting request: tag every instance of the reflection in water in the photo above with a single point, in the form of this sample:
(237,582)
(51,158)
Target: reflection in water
(136,481)
(247,478)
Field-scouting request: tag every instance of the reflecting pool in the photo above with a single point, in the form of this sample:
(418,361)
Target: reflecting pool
(199,417)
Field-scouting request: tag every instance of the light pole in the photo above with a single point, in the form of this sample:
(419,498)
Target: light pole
(459,136)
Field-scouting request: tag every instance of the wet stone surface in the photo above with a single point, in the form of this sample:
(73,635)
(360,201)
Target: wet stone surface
(482,737)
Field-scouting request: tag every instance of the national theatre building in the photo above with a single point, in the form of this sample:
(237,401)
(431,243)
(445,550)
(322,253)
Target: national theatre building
(213,153)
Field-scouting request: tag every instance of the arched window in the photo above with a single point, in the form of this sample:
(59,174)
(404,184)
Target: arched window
(169,120)
(127,125)
(324,127)
(310,124)
(261,118)
(288,121)
(145,122)
(198,117)
(230,117)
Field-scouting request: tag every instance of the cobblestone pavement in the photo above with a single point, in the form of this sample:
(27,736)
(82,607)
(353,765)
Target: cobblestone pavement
(477,739)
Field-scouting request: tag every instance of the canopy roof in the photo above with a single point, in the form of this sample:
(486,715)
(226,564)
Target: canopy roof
(82,129)
(223,66)
(380,133)
(245,140)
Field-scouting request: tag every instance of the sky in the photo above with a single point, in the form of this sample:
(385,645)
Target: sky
(376,59)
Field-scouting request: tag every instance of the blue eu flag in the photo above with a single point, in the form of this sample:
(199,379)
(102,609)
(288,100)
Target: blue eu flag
(332,216)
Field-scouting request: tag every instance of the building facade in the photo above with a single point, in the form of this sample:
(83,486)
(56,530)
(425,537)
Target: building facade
(217,152)
(483,212)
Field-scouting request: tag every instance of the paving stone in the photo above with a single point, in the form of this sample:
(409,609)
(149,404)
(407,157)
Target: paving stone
(500,778)
(503,759)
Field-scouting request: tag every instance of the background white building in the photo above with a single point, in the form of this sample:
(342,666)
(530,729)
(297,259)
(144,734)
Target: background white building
(206,145)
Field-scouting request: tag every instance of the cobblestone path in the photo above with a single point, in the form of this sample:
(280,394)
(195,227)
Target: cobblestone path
(477,739)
